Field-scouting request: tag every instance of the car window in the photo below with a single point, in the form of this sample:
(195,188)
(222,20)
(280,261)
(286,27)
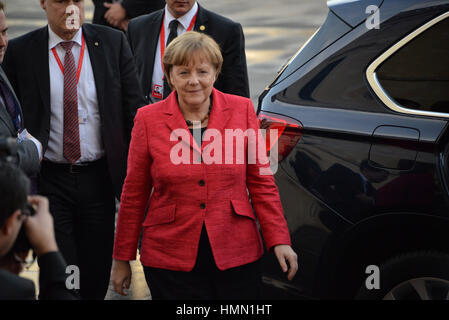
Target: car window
(417,75)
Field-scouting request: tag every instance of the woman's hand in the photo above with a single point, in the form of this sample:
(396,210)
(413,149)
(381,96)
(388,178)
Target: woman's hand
(121,276)
(285,253)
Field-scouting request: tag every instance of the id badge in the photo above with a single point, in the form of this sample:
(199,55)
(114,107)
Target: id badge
(82,116)
(157,91)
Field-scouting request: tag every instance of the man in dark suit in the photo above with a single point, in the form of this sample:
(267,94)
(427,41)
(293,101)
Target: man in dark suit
(144,37)
(117,13)
(14,187)
(79,94)
(29,149)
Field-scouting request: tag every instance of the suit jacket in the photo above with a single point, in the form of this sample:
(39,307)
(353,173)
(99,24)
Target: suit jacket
(52,279)
(118,91)
(143,36)
(27,153)
(134,8)
(186,196)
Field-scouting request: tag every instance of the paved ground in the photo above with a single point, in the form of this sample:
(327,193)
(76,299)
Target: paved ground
(274,31)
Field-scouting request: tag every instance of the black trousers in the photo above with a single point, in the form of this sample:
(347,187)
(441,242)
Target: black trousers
(205,281)
(83,208)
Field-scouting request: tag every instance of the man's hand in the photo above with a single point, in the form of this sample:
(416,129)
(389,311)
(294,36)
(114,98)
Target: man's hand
(115,14)
(285,253)
(39,228)
(124,25)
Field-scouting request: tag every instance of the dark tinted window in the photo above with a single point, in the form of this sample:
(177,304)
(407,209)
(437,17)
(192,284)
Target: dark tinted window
(417,76)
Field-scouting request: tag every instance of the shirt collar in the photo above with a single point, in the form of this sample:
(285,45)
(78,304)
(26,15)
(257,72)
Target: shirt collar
(54,39)
(184,20)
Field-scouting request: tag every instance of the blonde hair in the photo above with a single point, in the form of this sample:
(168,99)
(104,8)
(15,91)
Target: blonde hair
(183,48)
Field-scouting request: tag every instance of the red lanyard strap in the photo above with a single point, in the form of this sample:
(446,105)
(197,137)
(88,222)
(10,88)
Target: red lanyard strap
(162,38)
(80,62)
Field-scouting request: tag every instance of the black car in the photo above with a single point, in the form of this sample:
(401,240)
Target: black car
(362,113)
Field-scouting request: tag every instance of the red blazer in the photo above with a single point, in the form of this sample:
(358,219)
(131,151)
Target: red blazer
(186,196)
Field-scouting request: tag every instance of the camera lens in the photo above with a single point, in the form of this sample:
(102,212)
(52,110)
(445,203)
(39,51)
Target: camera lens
(22,244)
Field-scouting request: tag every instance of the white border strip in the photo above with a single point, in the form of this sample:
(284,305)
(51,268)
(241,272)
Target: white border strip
(375,84)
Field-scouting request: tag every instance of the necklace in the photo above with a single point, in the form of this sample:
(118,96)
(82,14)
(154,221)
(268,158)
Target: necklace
(190,122)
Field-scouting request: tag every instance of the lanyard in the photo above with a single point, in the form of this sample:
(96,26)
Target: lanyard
(162,39)
(80,62)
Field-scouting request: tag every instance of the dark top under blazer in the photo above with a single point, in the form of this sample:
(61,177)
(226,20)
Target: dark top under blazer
(134,8)
(118,91)
(27,153)
(52,279)
(143,36)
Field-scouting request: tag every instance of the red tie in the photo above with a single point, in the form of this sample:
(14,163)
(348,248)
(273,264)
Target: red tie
(71,149)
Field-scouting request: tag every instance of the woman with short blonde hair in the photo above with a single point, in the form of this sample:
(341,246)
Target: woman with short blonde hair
(200,235)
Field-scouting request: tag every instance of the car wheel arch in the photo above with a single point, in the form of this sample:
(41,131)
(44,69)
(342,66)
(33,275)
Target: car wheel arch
(372,242)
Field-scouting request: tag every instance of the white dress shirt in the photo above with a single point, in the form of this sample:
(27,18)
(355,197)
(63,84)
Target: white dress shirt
(184,23)
(91,144)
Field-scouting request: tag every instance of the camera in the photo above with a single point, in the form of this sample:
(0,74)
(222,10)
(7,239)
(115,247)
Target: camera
(8,150)
(22,244)
(8,154)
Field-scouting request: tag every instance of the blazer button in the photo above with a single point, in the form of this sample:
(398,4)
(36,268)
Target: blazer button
(201,183)
(203,206)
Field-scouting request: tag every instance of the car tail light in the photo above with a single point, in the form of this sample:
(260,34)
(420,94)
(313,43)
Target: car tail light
(289,131)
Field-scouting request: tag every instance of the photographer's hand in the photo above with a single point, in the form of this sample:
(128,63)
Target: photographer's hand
(39,228)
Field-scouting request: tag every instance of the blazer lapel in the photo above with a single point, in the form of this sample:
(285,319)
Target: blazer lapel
(201,20)
(39,46)
(4,115)
(176,120)
(97,58)
(151,36)
(5,79)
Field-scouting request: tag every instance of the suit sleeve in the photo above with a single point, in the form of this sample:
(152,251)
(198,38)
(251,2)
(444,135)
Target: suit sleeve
(135,195)
(135,8)
(99,2)
(14,287)
(52,278)
(265,195)
(28,157)
(131,91)
(99,12)
(234,71)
